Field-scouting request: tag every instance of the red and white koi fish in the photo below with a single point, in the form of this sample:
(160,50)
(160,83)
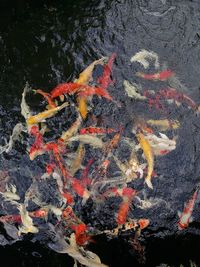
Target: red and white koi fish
(96,130)
(38,146)
(105,79)
(159,76)
(186,216)
(171,93)
(127,196)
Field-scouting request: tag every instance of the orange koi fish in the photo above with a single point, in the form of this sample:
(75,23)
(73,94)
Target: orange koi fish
(186,216)
(105,79)
(80,189)
(41,213)
(149,157)
(84,78)
(86,75)
(65,88)
(96,130)
(81,236)
(143,223)
(47,97)
(159,76)
(41,117)
(99,91)
(127,196)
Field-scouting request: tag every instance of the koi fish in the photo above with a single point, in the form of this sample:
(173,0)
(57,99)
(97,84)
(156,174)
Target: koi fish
(84,175)
(149,157)
(65,88)
(72,130)
(165,124)
(47,97)
(86,75)
(76,163)
(80,189)
(99,91)
(84,78)
(45,114)
(11,193)
(82,237)
(160,145)
(110,145)
(171,93)
(142,56)
(38,146)
(159,76)
(11,218)
(41,213)
(25,110)
(127,196)
(87,139)
(27,222)
(132,90)
(186,216)
(96,130)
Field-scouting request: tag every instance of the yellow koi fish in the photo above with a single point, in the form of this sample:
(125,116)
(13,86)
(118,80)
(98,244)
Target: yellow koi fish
(45,114)
(149,157)
(165,124)
(84,78)
(76,163)
(72,130)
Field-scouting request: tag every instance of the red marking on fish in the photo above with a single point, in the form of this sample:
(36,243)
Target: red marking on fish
(186,215)
(123,212)
(38,146)
(65,88)
(11,218)
(80,234)
(162,76)
(96,130)
(68,197)
(41,213)
(143,223)
(50,167)
(85,180)
(99,91)
(79,188)
(105,79)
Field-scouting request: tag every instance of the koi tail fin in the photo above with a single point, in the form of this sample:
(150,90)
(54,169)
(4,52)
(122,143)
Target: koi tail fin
(149,183)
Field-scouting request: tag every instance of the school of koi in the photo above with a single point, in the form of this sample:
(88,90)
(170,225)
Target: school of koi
(79,178)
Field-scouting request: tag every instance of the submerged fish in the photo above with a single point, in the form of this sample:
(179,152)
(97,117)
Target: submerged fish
(25,110)
(144,143)
(87,139)
(165,124)
(27,222)
(159,76)
(105,79)
(142,56)
(132,90)
(41,117)
(186,216)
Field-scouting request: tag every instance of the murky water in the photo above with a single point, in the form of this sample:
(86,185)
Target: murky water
(49,43)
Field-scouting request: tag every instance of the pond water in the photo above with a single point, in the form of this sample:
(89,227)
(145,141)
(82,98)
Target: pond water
(46,43)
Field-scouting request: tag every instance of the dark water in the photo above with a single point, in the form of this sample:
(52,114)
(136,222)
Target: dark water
(46,43)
